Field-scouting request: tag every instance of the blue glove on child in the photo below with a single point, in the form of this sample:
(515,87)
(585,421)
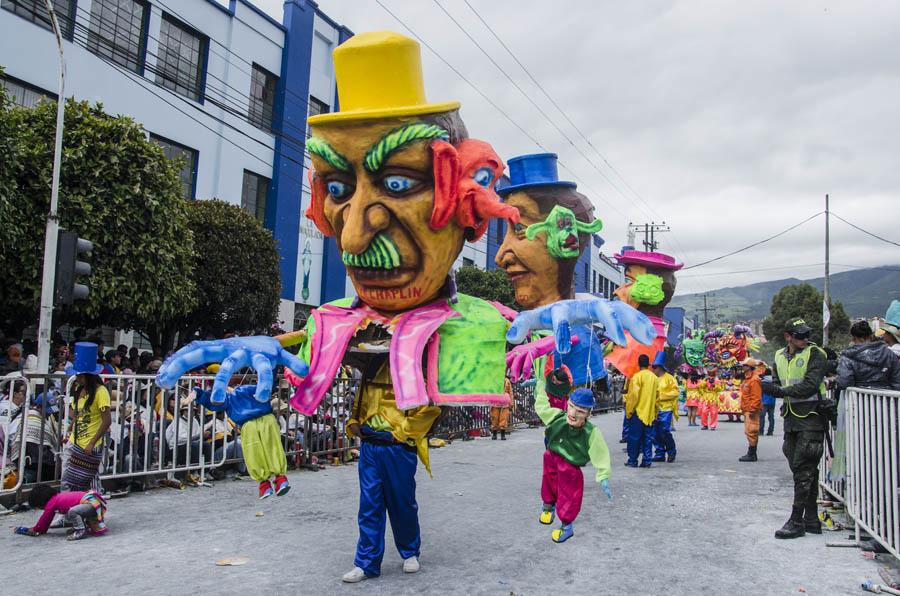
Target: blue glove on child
(604,486)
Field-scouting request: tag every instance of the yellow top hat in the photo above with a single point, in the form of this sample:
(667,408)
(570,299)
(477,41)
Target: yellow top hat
(379,75)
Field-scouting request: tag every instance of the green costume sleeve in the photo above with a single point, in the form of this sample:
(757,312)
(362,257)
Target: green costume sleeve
(599,454)
(542,405)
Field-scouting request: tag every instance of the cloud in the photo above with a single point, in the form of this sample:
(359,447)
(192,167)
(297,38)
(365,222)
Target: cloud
(731,119)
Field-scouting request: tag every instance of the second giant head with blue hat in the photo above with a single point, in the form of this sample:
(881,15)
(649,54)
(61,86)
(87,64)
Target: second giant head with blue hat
(85,361)
(539,252)
(395,178)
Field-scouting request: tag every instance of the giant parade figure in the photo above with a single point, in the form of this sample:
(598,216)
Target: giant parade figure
(400,186)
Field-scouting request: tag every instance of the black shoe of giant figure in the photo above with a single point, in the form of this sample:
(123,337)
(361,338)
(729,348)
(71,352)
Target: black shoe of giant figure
(493,436)
(813,526)
(791,529)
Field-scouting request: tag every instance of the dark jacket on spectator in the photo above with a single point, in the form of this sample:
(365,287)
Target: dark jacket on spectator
(872,365)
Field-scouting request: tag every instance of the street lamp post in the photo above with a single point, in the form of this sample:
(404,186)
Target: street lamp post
(45,323)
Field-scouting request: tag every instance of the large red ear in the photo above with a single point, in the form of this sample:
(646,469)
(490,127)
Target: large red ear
(446,181)
(316,209)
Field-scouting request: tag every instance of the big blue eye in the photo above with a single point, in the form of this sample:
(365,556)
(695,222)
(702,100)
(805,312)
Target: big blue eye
(338,190)
(397,184)
(484,176)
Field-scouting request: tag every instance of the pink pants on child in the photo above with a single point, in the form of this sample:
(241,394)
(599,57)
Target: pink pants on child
(709,414)
(562,485)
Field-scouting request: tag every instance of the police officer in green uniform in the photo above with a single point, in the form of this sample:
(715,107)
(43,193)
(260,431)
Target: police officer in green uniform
(799,374)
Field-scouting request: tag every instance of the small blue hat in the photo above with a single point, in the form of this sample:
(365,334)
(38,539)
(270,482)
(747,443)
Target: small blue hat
(85,360)
(534,170)
(583,398)
(660,360)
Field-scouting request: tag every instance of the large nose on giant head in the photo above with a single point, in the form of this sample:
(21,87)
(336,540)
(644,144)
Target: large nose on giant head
(364,219)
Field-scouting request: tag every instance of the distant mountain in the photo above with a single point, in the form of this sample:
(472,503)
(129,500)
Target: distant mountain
(864,293)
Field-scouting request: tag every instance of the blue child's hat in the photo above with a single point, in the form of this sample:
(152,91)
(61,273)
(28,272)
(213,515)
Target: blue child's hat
(892,316)
(660,360)
(85,360)
(583,398)
(534,170)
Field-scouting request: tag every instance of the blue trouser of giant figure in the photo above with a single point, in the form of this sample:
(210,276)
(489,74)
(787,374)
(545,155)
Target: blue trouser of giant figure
(663,440)
(640,441)
(387,484)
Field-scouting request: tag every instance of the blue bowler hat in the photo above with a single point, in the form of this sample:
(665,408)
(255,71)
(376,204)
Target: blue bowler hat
(534,170)
(583,398)
(85,360)
(660,360)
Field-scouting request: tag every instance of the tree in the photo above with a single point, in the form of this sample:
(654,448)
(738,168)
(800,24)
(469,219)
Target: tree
(489,285)
(119,191)
(235,270)
(803,300)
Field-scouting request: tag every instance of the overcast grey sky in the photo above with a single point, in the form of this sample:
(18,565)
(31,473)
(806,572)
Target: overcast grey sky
(730,119)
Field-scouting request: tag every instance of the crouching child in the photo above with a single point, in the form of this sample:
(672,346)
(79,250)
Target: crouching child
(83,511)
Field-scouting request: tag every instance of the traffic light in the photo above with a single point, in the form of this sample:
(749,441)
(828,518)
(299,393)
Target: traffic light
(68,268)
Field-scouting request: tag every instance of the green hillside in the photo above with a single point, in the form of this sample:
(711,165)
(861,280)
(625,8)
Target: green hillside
(864,293)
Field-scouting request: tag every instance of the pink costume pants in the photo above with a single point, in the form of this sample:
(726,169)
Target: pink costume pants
(709,414)
(563,486)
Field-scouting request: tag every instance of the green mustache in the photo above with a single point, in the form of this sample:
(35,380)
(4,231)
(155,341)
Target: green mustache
(382,253)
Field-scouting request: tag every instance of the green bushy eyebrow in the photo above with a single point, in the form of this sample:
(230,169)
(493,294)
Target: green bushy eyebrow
(394,140)
(323,149)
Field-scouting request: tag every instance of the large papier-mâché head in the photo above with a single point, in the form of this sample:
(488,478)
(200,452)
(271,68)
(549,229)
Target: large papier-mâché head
(649,281)
(395,179)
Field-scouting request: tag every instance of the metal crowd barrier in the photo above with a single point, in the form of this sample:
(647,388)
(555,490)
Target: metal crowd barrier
(156,432)
(870,483)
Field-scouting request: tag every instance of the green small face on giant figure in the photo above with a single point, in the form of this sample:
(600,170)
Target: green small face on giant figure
(694,350)
(561,229)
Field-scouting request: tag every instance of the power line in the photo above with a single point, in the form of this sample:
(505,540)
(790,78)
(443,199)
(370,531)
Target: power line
(486,97)
(864,231)
(751,270)
(749,246)
(528,97)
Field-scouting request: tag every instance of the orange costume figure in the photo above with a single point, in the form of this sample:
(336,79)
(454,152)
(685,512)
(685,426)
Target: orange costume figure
(692,398)
(500,414)
(751,405)
(649,286)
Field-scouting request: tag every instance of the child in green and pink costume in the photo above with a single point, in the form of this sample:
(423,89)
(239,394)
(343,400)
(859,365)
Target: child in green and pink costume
(571,441)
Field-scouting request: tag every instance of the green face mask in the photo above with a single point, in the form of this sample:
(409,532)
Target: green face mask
(647,289)
(562,229)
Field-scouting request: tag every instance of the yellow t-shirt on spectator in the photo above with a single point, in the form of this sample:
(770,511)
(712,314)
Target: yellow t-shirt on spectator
(88,420)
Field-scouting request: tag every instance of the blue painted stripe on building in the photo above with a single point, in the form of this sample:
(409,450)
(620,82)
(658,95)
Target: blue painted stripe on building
(334,274)
(496,233)
(290,109)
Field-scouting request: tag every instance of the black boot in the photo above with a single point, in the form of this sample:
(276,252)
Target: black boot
(502,435)
(751,454)
(493,435)
(811,522)
(794,527)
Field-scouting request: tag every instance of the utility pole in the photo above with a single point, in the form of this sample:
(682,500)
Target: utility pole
(45,323)
(826,310)
(650,230)
(706,310)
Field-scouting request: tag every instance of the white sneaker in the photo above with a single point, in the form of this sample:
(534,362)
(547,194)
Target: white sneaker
(355,576)
(410,565)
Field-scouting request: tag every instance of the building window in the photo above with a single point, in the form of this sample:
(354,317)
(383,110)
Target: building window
(188,164)
(118,32)
(316,107)
(467,262)
(36,12)
(182,58)
(253,195)
(262,97)
(23,94)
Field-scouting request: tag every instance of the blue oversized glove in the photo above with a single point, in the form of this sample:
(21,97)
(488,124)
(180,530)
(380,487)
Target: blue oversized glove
(261,352)
(614,316)
(604,486)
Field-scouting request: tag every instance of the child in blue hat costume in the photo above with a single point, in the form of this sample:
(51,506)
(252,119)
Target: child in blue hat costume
(91,420)
(668,393)
(571,441)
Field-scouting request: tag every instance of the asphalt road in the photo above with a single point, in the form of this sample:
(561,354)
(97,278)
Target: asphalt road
(701,525)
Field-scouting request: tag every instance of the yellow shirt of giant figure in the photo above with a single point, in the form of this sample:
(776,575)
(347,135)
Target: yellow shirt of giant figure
(643,390)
